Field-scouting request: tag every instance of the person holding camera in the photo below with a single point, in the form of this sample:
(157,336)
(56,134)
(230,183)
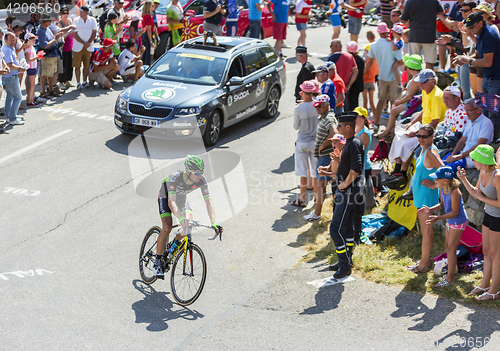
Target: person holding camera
(212,12)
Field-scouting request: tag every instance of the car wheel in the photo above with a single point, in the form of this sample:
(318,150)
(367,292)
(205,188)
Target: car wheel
(273,102)
(213,128)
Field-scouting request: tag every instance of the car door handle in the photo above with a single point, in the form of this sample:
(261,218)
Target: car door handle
(269,75)
(248,85)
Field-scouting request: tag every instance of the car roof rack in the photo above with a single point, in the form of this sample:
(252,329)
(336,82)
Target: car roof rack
(199,46)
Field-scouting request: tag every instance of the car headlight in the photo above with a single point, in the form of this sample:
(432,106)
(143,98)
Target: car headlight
(121,104)
(188,112)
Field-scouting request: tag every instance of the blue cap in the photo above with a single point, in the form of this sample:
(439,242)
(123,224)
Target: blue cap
(443,172)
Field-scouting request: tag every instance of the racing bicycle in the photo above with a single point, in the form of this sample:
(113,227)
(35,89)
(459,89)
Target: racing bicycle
(188,264)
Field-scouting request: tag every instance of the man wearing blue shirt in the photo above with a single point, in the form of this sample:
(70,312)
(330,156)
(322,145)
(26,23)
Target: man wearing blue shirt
(11,79)
(327,85)
(212,12)
(48,43)
(487,56)
(255,8)
(280,21)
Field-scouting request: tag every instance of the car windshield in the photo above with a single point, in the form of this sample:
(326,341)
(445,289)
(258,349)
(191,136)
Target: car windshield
(189,68)
(162,9)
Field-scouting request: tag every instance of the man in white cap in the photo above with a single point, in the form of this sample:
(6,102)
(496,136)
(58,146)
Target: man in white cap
(382,51)
(322,148)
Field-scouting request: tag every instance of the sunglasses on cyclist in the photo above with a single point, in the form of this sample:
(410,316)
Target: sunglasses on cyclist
(198,173)
(420,136)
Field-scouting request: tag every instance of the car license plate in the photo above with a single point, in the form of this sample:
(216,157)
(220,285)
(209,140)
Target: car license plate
(146,122)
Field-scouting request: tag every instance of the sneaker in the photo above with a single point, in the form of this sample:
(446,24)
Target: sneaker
(32,104)
(68,85)
(386,116)
(157,271)
(442,70)
(450,71)
(80,86)
(87,85)
(395,180)
(39,100)
(375,127)
(56,89)
(312,217)
(62,87)
(16,122)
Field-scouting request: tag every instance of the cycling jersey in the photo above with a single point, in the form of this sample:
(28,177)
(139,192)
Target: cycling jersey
(175,184)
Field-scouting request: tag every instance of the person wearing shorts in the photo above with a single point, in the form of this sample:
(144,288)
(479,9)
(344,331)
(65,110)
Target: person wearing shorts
(280,21)
(423,36)
(213,11)
(354,23)
(326,129)
(335,17)
(48,43)
(104,65)
(129,62)
(302,14)
(83,45)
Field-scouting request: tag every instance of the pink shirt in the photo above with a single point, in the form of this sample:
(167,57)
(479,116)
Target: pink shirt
(30,53)
(345,64)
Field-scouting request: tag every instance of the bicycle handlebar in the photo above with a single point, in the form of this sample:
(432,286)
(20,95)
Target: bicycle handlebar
(194,224)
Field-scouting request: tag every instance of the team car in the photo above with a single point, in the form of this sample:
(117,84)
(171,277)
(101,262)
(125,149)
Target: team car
(195,86)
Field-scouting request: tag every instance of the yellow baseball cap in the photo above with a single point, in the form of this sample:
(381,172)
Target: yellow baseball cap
(361,111)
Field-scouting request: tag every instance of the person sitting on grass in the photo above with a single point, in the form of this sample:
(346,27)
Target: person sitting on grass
(456,218)
(104,66)
(130,61)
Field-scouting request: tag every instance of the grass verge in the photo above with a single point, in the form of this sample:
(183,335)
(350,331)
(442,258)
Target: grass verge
(386,262)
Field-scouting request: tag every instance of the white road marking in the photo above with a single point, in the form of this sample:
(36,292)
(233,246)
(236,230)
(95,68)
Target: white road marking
(16,191)
(71,112)
(321,283)
(22,274)
(32,146)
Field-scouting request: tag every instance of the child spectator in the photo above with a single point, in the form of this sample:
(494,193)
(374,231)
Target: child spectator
(113,30)
(406,40)
(31,59)
(130,61)
(456,218)
(369,77)
(397,44)
(487,190)
(134,32)
(232,19)
(302,15)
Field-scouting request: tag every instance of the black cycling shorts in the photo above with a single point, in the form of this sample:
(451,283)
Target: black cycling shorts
(166,211)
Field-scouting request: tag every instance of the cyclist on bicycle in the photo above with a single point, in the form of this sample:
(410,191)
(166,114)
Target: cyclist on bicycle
(172,200)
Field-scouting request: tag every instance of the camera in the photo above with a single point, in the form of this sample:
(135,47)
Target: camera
(210,34)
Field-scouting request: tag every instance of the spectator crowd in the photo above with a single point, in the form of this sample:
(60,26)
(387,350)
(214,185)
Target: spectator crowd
(444,121)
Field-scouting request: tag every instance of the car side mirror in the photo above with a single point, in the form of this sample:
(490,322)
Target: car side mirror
(190,13)
(144,69)
(235,81)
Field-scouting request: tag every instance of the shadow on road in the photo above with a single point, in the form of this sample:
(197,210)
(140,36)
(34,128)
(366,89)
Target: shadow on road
(156,309)
(483,324)
(410,305)
(286,166)
(327,299)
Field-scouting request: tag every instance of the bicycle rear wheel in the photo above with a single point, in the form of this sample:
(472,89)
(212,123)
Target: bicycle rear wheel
(148,255)
(188,275)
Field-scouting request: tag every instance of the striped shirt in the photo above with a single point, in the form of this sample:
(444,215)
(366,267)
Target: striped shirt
(386,7)
(325,123)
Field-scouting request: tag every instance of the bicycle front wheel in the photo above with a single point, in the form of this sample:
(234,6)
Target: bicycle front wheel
(189,272)
(148,255)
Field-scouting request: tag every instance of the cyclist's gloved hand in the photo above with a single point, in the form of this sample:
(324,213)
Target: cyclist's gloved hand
(218,229)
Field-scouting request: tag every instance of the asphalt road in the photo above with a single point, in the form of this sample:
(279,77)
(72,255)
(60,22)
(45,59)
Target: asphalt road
(77,198)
